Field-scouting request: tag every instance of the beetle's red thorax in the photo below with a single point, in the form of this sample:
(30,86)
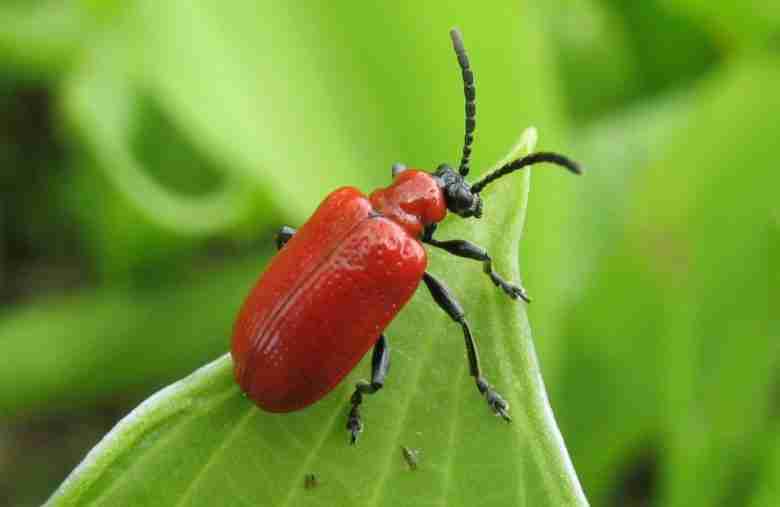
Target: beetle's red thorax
(413,201)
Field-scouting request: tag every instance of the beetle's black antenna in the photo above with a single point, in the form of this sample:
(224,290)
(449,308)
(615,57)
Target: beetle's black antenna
(469,90)
(533,158)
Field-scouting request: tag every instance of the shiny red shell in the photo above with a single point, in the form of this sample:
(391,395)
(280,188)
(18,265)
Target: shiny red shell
(331,291)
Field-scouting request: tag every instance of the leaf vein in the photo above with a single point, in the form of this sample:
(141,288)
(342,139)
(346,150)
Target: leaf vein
(187,494)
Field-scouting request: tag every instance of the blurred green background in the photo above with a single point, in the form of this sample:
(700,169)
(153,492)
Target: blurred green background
(148,152)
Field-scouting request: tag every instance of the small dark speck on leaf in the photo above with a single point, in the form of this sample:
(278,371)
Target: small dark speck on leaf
(411,456)
(311,481)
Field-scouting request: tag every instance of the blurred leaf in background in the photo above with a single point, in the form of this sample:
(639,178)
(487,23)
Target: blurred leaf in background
(148,151)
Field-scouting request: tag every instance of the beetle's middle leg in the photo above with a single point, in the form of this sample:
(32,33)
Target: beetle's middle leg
(380,364)
(468,250)
(283,236)
(448,303)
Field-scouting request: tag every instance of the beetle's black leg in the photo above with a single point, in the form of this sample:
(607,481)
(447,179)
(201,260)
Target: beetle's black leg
(441,294)
(463,248)
(380,363)
(283,236)
(428,230)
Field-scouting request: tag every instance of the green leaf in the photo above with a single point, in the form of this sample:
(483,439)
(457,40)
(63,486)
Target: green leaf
(687,256)
(79,349)
(769,480)
(754,22)
(708,225)
(102,99)
(43,38)
(591,341)
(200,442)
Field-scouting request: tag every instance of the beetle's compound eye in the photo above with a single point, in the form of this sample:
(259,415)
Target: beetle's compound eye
(462,197)
(397,169)
(468,204)
(462,201)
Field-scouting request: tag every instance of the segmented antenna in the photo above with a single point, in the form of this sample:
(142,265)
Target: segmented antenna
(533,158)
(469,90)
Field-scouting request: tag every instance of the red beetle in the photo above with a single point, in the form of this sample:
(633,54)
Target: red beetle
(335,285)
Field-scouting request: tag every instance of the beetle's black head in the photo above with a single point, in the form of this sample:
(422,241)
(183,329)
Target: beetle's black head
(457,193)
(462,198)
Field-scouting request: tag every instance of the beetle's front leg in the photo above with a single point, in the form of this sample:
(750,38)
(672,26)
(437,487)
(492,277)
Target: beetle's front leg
(448,303)
(468,250)
(380,364)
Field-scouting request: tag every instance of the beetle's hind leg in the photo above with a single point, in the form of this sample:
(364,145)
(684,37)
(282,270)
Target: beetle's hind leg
(283,236)
(448,303)
(380,364)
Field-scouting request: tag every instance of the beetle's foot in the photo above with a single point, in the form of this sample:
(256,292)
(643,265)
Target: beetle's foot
(515,291)
(354,424)
(511,290)
(496,402)
(519,292)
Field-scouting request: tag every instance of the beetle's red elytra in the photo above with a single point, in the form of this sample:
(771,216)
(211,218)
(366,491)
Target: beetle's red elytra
(326,298)
(341,279)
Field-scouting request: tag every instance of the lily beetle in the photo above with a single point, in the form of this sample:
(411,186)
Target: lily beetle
(336,283)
